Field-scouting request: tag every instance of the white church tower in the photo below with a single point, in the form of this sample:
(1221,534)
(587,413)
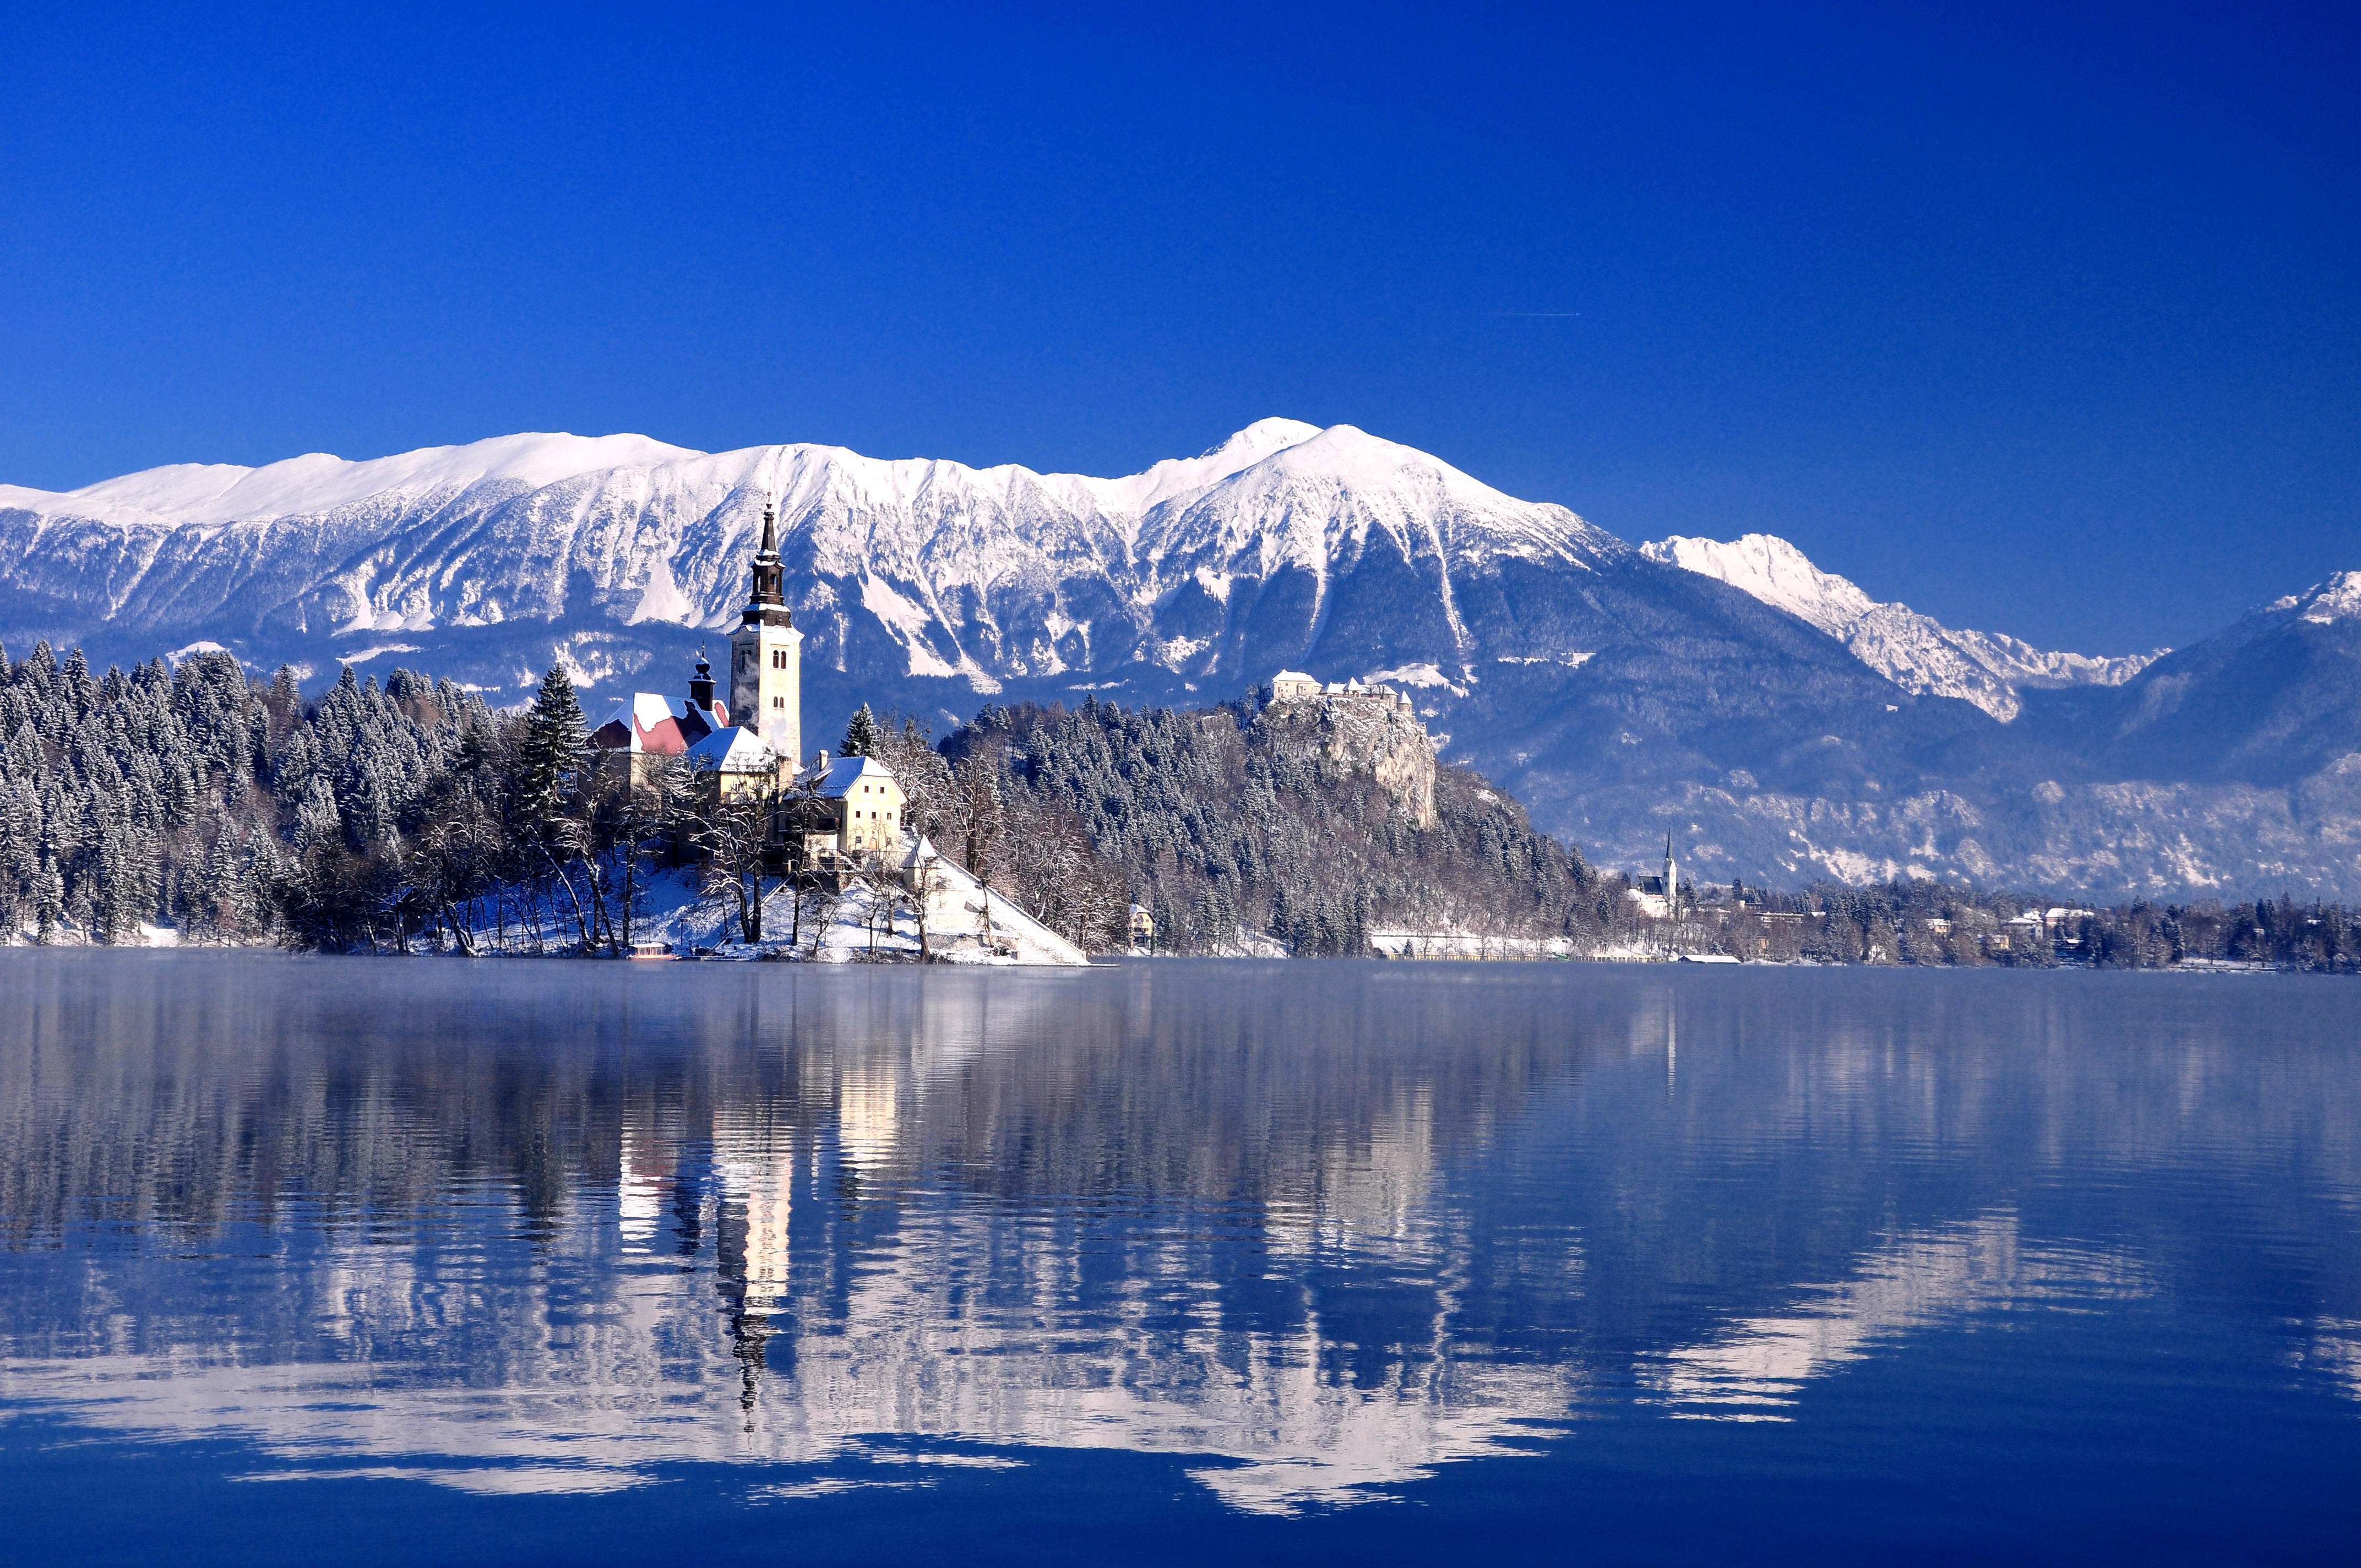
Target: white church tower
(1671,879)
(766,656)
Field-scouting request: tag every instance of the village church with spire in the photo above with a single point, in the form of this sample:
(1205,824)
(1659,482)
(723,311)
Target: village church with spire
(842,809)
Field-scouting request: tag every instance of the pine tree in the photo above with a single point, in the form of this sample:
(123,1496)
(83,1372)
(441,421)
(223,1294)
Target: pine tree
(316,821)
(553,741)
(861,735)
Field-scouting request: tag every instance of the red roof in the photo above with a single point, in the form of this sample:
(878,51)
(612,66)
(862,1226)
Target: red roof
(656,725)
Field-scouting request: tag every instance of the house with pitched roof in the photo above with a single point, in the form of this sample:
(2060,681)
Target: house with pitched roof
(646,728)
(844,810)
(732,762)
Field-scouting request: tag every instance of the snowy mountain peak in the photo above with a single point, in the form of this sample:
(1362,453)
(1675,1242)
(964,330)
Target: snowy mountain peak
(2325,603)
(317,482)
(1263,438)
(1773,571)
(1915,651)
(1178,478)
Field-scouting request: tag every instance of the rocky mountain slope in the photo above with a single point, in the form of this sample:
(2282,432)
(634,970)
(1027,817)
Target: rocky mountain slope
(1915,651)
(1777,720)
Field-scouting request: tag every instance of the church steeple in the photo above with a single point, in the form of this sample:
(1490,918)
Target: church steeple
(765,654)
(1672,878)
(767,605)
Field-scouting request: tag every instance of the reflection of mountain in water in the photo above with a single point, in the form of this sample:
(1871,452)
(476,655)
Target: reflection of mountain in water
(1314,1231)
(968,1322)
(925,1220)
(1751,1368)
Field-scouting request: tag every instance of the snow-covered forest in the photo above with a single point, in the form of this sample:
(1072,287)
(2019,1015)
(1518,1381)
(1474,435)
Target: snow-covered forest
(228,811)
(193,800)
(1231,825)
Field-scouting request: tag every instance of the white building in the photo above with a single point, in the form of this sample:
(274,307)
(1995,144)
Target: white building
(1659,897)
(766,656)
(1294,685)
(733,761)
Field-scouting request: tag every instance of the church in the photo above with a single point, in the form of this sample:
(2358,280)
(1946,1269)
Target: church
(1659,897)
(843,823)
(766,702)
(752,742)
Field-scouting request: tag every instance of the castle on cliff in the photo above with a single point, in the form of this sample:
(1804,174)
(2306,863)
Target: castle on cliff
(1371,729)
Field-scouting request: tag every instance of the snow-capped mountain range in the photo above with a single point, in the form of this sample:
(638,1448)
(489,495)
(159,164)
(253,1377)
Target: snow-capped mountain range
(984,574)
(1779,714)
(1915,651)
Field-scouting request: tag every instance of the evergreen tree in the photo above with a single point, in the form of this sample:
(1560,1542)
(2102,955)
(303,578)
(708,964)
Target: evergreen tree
(861,735)
(553,741)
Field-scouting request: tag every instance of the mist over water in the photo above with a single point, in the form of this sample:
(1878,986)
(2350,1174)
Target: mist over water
(428,1260)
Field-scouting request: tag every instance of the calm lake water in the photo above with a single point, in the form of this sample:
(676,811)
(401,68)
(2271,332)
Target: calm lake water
(402,1261)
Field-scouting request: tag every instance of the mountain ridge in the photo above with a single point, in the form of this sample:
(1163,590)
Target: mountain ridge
(1915,651)
(1778,718)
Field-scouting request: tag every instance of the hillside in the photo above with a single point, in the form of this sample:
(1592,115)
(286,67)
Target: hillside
(1781,721)
(1251,828)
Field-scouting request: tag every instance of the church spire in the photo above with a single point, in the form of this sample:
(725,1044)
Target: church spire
(768,601)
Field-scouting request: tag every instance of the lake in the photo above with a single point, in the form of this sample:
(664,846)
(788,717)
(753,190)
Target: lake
(424,1260)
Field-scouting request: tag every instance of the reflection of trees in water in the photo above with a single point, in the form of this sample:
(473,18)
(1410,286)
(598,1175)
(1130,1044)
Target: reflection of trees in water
(923,1205)
(214,1094)
(1338,1225)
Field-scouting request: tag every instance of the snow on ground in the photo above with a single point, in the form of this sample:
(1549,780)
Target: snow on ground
(965,924)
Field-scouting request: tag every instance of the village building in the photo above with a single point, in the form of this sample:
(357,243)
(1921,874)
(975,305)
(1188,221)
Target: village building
(2039,926)
(735,762)
(843,811)
(646,729)
(1659,897)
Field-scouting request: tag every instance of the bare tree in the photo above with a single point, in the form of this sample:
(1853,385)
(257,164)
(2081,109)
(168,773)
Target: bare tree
(926,881)
(731,836)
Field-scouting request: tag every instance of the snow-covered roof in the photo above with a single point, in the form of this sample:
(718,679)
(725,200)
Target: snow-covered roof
(735,750)
(647,721)
(846,771)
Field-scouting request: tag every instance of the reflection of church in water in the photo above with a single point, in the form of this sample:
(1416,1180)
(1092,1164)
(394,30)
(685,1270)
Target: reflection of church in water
(857,1294)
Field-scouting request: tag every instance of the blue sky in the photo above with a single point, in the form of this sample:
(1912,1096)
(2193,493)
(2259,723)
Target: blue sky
(2043,321)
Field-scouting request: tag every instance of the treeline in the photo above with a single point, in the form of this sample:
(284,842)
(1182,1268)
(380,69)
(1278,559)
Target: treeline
(238,811)
(374,816)
(1916,921)
(1231,828)
(171,796)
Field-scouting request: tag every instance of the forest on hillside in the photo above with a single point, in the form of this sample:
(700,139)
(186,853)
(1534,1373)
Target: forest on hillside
(1228,824)
(382,815)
